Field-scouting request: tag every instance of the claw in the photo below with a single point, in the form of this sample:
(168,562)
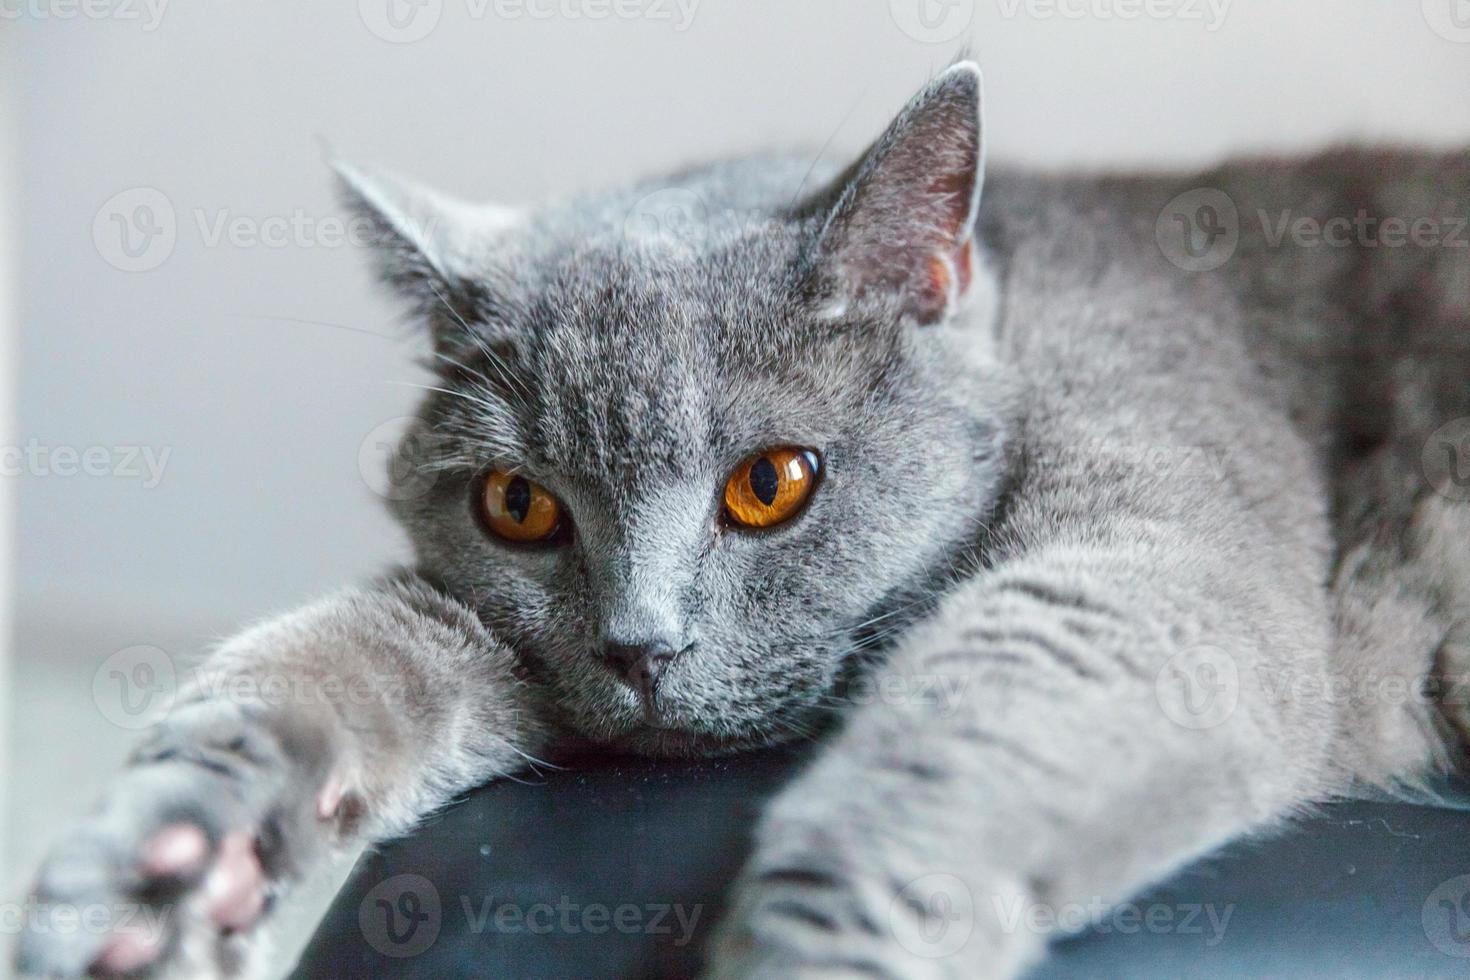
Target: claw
(329,799)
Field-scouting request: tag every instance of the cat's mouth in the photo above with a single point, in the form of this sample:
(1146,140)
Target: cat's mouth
(679,719)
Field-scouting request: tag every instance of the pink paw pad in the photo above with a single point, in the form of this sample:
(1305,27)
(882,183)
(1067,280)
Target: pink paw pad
(177,849)
(235,888)
(129,952)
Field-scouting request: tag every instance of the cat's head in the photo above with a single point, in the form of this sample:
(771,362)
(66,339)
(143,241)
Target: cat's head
(699,440)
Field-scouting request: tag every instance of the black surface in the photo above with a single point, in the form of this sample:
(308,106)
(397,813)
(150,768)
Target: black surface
(581,873)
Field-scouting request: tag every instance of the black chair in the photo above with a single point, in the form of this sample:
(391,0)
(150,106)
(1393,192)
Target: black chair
(617,868)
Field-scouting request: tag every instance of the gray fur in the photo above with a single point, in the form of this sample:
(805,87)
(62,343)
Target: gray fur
(1047,497)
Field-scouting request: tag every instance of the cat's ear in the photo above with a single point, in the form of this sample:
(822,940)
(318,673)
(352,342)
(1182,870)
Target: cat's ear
(899,223)
(434,250)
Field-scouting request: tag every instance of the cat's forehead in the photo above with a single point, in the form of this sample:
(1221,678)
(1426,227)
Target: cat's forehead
(664,363)
(620,377)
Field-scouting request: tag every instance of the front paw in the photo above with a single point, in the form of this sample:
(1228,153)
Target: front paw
(812,909)
(175,871)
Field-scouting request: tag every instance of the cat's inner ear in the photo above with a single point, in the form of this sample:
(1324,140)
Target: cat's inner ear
(901,222)
(437,252)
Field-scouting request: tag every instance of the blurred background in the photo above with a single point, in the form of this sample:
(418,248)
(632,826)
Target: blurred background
(195,424)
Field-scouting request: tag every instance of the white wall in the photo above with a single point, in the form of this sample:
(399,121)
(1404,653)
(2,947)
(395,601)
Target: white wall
(7,407)
(238,360)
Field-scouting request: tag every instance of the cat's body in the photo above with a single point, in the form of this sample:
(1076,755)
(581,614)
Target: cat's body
(1312,375)
(1162,540)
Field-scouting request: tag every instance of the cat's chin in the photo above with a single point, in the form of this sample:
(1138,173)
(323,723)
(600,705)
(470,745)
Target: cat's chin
(682,743)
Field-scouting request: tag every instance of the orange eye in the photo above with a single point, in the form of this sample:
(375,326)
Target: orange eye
(519,510)
(771,487)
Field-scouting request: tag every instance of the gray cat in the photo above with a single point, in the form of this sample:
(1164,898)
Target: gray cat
(1110,523)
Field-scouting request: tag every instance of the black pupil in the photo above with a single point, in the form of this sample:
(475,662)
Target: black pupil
(764,482)
(518,499)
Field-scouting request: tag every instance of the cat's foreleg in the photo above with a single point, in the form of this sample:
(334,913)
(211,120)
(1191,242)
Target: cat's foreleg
(1064,730)
(341,722)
